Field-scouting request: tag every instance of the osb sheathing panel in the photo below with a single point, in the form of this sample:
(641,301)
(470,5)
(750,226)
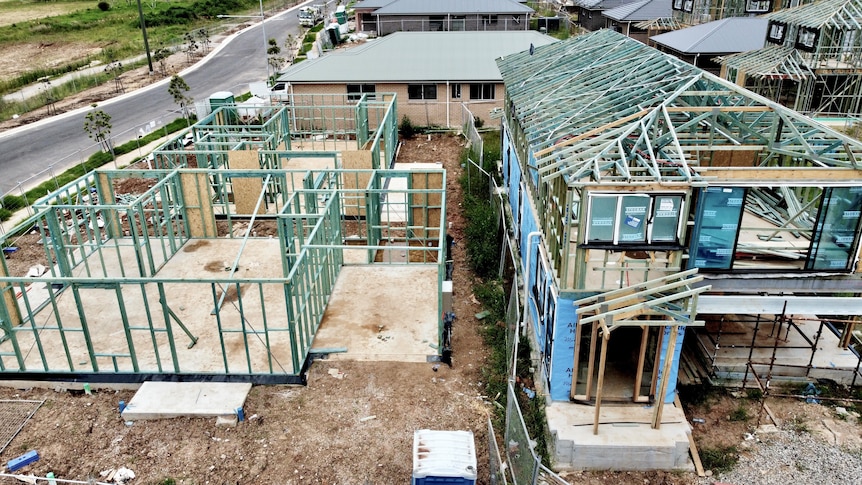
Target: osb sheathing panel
(9,300)
(419,203)
(246,190)
(355,159)
(198,204)
(735,158)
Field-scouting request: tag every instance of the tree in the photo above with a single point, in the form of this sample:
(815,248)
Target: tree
(161,56)
(204,36)
(291,45)
(97,124)
(177,89)
(272,56)
(191,46)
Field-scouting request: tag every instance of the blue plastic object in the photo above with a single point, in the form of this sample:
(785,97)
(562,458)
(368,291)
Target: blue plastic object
(22,461)
(240,414)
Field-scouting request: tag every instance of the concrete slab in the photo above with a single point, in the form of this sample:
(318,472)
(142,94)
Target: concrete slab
(625,440)
(160,400)
(384,312)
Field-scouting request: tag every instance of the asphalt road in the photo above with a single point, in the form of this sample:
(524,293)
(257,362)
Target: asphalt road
(61,142)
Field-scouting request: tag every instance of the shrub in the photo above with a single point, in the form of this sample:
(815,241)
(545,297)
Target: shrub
(406,128)
(12,202)
(5,214)
(104,6)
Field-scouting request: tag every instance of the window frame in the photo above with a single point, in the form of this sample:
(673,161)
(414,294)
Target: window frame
(455,91)
(427,92)
(362,89)
(480,90)
(621,219)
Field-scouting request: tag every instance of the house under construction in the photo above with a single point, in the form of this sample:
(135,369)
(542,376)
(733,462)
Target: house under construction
(245,246)
(654,204)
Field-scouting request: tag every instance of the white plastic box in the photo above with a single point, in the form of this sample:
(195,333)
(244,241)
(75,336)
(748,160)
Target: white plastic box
(444,458)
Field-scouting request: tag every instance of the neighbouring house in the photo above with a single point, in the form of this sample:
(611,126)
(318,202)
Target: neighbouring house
(590,12)
(432,73)
(702,44)
(812,60)
(385,17)
(669,225)
(625,19)
(364,13)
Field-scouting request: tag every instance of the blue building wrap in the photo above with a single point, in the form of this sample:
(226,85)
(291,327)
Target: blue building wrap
(563,355)
(674,366)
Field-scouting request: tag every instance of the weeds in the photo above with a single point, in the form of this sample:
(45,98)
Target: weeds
(720,459)
(740,414)
(798,425)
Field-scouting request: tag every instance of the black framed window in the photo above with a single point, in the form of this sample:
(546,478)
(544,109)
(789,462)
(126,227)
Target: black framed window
(421,91)
(482,91)
(355,91)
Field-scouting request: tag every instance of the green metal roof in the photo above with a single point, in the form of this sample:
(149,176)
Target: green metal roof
(771,62)
(418,57)
(604,107)
(841,14)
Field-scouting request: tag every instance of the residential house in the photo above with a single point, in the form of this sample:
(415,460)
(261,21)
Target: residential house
(432,73)
(625,18)
(385,17)
(812,60)
(590,12)
(654,203)
(702,44)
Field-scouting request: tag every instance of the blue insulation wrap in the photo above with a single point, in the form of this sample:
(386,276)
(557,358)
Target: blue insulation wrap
(563,354)
(674,365)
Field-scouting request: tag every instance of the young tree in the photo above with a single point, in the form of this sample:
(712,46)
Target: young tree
(97,124)
(204,36)
(191,46)
(272,56)
(161,56)
(177,89)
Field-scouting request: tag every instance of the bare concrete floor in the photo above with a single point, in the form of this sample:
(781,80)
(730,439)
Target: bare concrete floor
(251,327)
(382,312)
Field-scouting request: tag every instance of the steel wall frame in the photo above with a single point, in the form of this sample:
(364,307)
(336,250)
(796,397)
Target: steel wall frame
(147,347)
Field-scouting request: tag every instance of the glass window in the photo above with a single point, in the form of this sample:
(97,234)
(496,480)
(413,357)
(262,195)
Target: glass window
(456,91)
(665,218)
(716,225)
(421,91)
(603,214)
(482,91)
(355,91)
(634,219)
(834,238)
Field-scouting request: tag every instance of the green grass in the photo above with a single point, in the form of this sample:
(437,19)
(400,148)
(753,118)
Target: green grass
(114,34)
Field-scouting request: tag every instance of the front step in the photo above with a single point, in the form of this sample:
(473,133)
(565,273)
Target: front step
(625,440)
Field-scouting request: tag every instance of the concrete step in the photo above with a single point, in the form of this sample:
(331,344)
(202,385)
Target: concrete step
(160,400)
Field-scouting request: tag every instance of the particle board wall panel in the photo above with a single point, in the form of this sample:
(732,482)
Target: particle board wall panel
(246,190)
(197,198)
(353,201)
